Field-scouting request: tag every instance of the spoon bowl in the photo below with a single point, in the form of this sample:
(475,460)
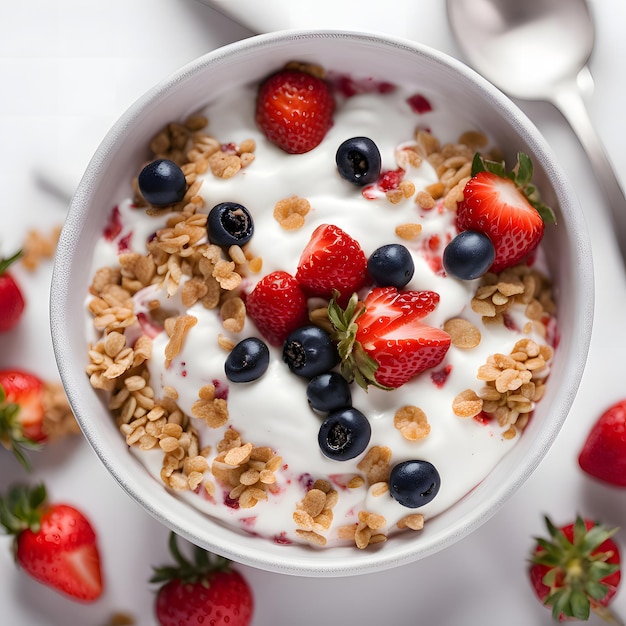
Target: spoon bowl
(539,50)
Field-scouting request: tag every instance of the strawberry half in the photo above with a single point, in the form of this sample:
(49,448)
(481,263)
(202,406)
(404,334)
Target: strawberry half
(53,543)
(12,302)
(277,306)
(603,455)
(332,261)
(576,570)
(294,110)
(382,341)
(505,207)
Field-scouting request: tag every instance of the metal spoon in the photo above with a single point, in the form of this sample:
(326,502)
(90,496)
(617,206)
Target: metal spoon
(538,50)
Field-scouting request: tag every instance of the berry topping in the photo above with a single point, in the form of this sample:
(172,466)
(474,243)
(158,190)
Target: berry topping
(391,266)
(328,392)
(414,483)
(309,351)
(277,306)
(230,224)
(162,183)
(382,341)
(358,161)
(332,260)
(294,110)
(344,434)
(469,255)
(505,207)
(247,361)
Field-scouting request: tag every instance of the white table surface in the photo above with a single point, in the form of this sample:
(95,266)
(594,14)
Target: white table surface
(68,69)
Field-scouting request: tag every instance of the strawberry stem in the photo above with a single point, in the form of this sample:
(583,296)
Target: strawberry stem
(200,569)
(6,263)
(11,434)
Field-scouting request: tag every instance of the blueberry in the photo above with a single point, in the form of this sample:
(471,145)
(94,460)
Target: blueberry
(414,483)
(309,351)
(469,255)
(358,161)
(391,266)
(328,392)
(247,361)
(344,434)
(162,183)
(230,224)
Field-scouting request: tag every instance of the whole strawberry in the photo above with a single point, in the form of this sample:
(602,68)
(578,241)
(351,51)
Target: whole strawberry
(294,110)
(382,340)
(12,302)
(53,543)
(603,455)
(332,261)
(576,570)
(505,207)
(277,306)
(206,591)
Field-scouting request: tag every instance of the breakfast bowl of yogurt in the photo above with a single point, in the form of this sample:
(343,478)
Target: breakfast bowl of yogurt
(322,301)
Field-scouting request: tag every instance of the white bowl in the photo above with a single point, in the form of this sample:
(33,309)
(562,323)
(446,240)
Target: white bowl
(106,182)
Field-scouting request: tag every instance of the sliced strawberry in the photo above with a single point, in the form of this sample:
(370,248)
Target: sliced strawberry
(277,305)
(382,340)
(294,110)
(503,207)
(54,543)
(332,261)
(603,455)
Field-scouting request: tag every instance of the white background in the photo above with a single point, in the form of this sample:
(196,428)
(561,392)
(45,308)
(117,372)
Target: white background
(68,69)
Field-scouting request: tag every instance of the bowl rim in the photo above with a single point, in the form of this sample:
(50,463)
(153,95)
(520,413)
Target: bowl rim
(299,564)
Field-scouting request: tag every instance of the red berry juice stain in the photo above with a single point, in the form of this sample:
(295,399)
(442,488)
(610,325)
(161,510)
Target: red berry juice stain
(230,502)
(281,539)
(369,192)
(419,104)
(390,179)
(347,86)
(148,326)
(248,522)
(306,480)
(114,226)
(509,323)
(221,389)
(123,245)
(230,148)
(439,377)
(482,418)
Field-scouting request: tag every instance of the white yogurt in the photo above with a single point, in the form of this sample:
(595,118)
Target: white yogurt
(273,411)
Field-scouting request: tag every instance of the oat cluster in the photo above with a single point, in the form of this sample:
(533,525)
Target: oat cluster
(249,470)
(522,285)
(513,384)
(314,515)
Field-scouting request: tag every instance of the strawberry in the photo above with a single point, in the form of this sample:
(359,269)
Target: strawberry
(277,305)
(12,302)
(53,543)
(294,110)
(332,261)
(21,412)
(382,341)
(576,570)
(505,207)
(604,453)
(206,591)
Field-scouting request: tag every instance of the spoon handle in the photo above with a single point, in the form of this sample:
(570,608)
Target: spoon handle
(569,101)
